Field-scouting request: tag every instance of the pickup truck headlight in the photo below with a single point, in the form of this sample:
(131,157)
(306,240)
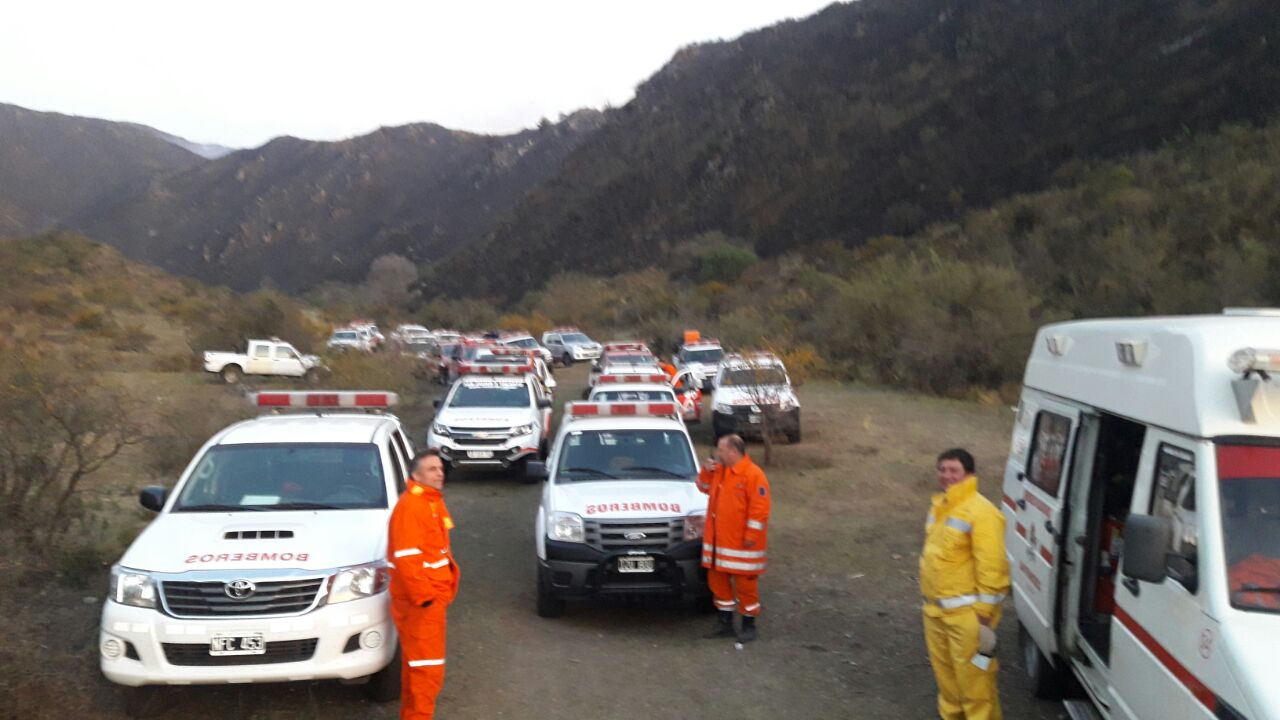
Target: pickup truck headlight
(566,527)
(441,430)
(358,582)
(130,587)
(521,430)
(693,525)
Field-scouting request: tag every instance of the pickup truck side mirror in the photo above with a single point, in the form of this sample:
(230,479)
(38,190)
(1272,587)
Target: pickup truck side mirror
(536,470)
(544,403)
(152,497)
(1146,545)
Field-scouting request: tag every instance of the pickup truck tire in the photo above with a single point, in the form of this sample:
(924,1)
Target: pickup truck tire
(543,450)
(1047,682)
(549,605)
(521,470)
(232,374)
(384,685)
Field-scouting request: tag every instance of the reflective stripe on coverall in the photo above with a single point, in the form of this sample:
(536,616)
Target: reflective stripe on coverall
(737,514)
(418,547)
(964,576)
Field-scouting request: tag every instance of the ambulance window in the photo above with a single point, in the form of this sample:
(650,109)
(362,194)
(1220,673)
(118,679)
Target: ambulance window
(1049,451)
(1174,497)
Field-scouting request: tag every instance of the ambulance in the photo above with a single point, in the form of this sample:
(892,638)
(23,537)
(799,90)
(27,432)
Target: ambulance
(620,513)
(650,387)
(1142,496)
(267,561)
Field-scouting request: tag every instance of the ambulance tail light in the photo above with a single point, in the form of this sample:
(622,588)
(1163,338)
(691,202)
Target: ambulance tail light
(1247,361)
(325,399)
(659,378)
(619,409)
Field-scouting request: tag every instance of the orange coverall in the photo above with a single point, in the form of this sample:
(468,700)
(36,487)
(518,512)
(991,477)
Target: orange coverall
(425,573)
(735,538)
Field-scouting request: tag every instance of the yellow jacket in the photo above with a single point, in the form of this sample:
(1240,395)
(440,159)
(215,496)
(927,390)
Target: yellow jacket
(963,563)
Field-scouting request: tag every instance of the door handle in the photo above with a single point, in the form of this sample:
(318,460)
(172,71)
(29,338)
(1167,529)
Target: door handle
(1048,526)
(1022,503)
(1022,476)
(1131,585)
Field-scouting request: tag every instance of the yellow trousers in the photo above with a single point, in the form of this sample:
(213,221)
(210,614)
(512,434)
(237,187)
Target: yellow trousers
(966,691)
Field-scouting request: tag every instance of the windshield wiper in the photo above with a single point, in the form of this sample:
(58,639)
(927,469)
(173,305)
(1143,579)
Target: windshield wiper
(593,471)
(211,507)
(664,471)
(304,506)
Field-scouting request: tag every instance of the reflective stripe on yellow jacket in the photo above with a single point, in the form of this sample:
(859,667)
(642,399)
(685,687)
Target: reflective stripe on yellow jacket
(963,563)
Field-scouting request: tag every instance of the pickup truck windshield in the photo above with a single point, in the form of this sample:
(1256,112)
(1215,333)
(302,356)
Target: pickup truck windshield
(625,455)
(301,476)
(1251,527)
(709,357)
(345,336)
(491,395)
(754,377)
(571,338)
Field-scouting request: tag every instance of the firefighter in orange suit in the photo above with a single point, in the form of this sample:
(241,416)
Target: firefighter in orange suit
(964,576)
(423,583)
(735,537)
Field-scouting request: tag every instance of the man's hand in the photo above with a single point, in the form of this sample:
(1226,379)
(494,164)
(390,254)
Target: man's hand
(987,641)
(427,603)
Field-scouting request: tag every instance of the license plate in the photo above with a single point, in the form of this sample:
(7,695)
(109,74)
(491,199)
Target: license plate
(638,564)
(237,645)
(480,454)
(753,418)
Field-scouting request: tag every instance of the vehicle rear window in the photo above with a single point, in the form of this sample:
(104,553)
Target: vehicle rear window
(625,455)
(713,355)
(300,476)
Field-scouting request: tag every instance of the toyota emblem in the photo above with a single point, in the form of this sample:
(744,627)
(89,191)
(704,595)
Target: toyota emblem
(635,536)
(239,589)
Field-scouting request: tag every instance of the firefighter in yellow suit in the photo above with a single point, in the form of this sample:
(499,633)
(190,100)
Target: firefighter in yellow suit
(964,576)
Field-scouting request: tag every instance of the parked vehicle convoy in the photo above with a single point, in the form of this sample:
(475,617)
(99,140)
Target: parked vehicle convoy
(495,416)
(701,357)
(569,345)
(525,341)
(268,358)
(1141,495)
(620,513)
(343,340)
(267,561)
(747,386)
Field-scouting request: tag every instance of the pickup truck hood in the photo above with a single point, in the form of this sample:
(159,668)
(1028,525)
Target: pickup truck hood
(627,499)
(486,417)
(322,539)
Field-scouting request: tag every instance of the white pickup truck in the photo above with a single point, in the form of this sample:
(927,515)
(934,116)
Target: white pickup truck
(273,357)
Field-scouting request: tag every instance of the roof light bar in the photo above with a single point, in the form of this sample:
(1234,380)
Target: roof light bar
(494,368)
(325,399)
(1250,360)
(625,346)
(660,378)
(614,409)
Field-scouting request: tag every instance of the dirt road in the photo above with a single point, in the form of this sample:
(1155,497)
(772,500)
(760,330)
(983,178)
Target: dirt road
(840,635)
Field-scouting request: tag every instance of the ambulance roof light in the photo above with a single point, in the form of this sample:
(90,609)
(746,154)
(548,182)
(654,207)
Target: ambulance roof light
(579,410)
(658,378)
(360,399)
(494,368)
(1247,361)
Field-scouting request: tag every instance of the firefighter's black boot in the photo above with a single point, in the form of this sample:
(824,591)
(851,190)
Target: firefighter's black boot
(748,631)
(724,625)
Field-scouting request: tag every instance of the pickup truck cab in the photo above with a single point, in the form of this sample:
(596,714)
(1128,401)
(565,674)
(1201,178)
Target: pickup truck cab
(702,358)
(620,513)
(1142,503)
(746,387)
(267,561)
(569,345)
(273,357)
(495,416)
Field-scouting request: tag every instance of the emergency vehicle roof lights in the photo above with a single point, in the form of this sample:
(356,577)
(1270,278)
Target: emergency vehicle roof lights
(494,368)
(304,399)
(1247,361)
(512,351)
(651,378)
(625,346)
(579,410)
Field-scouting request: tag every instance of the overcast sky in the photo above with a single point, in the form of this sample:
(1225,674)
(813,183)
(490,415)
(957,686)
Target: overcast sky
(239,72)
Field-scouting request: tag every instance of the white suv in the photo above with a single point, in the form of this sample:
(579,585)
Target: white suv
(267,562)
(621,513)
(569,345)
(493,416)
(746,387)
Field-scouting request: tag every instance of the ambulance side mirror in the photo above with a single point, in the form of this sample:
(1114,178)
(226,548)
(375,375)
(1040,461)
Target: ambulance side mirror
(536,470)
(1146,545)
(544,403)
(152,497)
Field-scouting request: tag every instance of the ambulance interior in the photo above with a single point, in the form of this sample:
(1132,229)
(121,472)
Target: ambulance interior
(1112,475)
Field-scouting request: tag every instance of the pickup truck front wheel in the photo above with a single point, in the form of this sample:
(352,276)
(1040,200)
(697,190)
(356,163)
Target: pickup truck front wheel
(384,685)
(232,374)
(549,604)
